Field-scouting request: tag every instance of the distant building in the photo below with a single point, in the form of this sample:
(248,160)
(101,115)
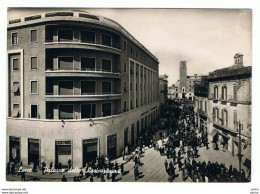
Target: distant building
(163,88)
(186,83)
(173,92)
(229,107)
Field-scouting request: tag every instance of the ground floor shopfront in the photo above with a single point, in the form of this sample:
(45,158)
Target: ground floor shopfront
(81,141)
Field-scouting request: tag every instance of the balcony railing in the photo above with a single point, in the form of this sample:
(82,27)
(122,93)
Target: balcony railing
(83,69)
(83,42)
(81,94)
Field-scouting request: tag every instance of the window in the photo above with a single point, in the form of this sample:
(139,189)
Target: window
(34,111)
(125,67)
(235,119)
(88,63)
(16,89)
(88,87)
(106,109)
(131,50)
(125,87)
(106,87)
(214,114)
(14,38)
(131,87)
(34,87)
(136,53)
(15,64)
(216,92)
(88,36)
(205,106)
(34,63)
(16,110)
(125,105)
(235,93)
(106,65)
(224,93)
(65,111)
(65,35)
(65,63)
(65,87)
(106,40)
(136,101)
(131,104)
(141,56)
(136,87)
(33,36)
(88,111)
(124,45)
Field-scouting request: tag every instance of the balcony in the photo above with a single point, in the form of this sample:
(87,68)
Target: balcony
(51,44)
(81,72)
(82,97)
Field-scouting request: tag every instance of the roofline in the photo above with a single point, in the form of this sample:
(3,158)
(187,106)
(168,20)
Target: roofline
(101,21)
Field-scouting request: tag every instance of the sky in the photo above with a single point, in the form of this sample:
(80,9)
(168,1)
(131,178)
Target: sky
(207,39)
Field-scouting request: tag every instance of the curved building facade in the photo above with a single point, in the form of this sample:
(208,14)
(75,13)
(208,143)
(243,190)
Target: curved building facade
(79,86)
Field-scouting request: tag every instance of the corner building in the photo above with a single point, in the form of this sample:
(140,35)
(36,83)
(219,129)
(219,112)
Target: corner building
(79,86)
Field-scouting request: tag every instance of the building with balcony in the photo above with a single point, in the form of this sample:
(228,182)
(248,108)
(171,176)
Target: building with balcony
(79,86)
(173,92)
(229,107)
(201,104)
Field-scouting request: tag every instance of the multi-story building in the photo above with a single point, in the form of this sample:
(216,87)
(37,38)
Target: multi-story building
(173,92)
(186,83)
(163,88)
(79,86)
(201,104)
(229,107)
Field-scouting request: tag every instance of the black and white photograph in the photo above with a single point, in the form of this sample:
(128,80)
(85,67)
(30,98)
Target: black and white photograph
(128,95)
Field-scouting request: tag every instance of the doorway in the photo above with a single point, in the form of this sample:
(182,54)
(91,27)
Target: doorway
(90,150)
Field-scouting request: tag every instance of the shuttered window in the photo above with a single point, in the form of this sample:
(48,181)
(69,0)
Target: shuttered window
(34,87)
(235,93)
(111,141)
(65,87)
(66,112)
(16,89)
(33,35)
(235,119)
(15,112)
(15,64)
(14,38)
(34,62)
(91,144)
(65,63)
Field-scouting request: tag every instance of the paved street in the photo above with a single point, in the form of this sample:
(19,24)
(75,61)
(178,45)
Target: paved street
(153,169)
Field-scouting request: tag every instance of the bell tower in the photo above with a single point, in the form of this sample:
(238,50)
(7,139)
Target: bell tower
(183,78)
(238,60)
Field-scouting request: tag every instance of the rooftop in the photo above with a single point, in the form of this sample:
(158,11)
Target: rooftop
(75,15)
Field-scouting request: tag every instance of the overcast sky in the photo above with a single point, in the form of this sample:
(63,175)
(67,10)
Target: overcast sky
(206,38)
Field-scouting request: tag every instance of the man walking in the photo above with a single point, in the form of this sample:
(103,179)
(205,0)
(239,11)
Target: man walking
(166,165)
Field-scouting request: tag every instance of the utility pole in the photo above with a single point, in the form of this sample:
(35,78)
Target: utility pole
(239,147)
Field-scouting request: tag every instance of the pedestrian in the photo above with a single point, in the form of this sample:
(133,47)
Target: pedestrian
(22,175)
(43,168)
(136,172)
(91,179)
(69,164)
(180,165)
(122,169)
(166,165)
(8,168)
(64,179)
(183,174)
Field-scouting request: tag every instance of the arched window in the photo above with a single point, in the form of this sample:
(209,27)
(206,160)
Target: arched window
(216,92)
(224,93)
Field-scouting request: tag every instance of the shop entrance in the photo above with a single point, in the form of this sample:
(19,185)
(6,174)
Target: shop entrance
(111,146)
(126,137)
(90,150)
(14,149)
(33,151)
(62,153)
(137,129)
